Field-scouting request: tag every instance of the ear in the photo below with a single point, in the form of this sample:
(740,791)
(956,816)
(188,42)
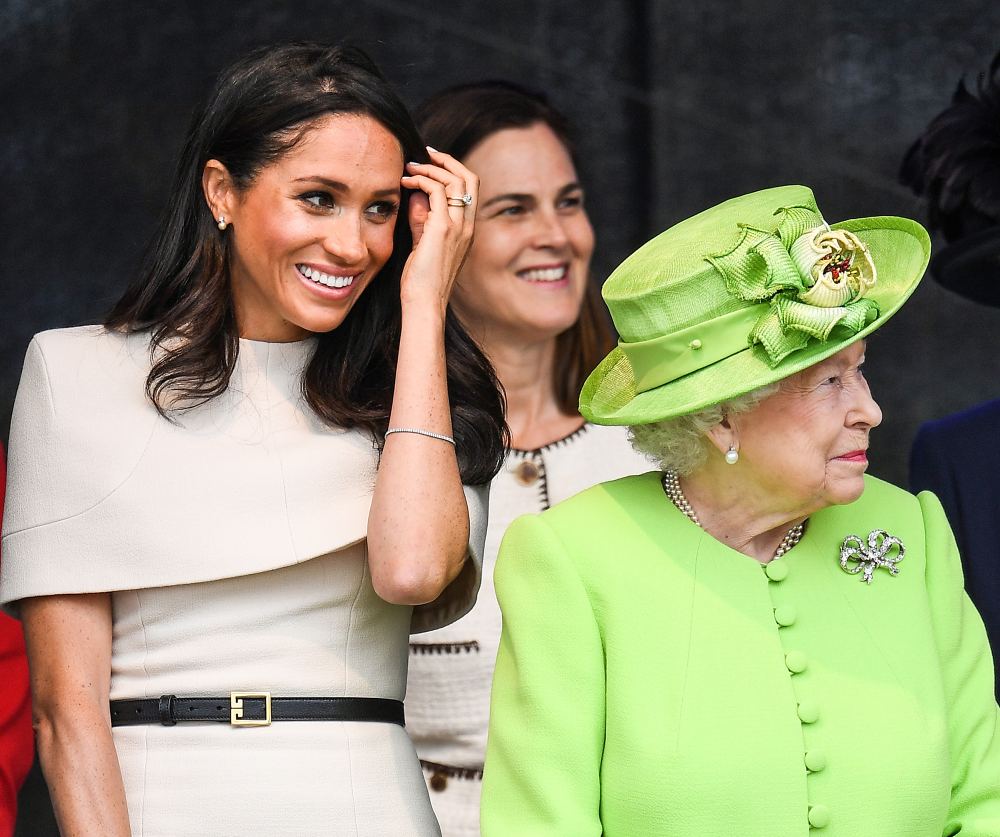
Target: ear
(723,435)
(219,190)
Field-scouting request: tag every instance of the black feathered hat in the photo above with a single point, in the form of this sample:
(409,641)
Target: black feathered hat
(955,163)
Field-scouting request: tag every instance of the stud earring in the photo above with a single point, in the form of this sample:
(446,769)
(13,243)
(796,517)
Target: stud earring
(222,222)
(732,455)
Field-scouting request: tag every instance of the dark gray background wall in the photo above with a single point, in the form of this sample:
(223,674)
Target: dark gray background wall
(679,105)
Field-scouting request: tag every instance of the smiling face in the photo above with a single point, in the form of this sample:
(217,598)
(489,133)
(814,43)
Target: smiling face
(526,271)
(312,229)
(804,447)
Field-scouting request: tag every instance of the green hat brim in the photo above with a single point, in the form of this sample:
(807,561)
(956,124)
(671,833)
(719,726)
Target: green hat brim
(900,249)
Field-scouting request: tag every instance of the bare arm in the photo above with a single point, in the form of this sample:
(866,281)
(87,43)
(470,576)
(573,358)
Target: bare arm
(418,526)
(69,653)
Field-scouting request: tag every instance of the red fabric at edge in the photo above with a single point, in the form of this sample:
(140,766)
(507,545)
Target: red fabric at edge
(16,738)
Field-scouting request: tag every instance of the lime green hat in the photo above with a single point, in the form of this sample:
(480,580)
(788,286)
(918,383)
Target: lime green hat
(742,295)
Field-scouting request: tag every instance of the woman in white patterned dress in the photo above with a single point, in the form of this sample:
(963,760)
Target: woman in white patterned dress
(524,293)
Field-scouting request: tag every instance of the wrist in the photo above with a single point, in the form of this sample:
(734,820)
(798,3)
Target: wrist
(427,310)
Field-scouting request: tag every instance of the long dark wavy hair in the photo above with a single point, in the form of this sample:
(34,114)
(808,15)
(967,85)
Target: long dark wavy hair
(458,119)
(260,107)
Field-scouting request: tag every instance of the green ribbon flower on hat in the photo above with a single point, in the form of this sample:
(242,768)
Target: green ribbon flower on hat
(814,277)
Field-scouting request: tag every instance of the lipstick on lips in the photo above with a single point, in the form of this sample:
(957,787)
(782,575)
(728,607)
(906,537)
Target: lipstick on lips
(860,455)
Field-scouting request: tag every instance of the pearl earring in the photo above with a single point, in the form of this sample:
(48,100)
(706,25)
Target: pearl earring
(222,222)
(732,455)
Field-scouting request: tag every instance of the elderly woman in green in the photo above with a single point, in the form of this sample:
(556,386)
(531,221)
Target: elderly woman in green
(758,640)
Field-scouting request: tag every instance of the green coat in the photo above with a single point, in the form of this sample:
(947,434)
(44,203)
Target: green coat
(645,682)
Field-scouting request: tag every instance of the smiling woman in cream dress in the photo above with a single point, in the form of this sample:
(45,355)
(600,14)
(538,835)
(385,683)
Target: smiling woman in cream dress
(233,502)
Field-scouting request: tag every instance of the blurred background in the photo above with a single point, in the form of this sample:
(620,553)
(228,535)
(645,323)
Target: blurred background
(677,105)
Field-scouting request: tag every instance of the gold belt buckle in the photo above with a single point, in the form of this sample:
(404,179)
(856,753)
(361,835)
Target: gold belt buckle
(236,709)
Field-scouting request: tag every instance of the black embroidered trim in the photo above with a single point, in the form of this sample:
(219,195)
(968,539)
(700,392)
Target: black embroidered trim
(444,647)
(543,482)
(452,772)
(558,443)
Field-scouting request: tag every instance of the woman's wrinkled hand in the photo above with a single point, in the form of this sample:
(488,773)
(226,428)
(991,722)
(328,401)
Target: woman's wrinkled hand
(442,226)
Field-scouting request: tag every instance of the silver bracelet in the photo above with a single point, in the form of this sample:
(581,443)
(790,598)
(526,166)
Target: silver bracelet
(420,432)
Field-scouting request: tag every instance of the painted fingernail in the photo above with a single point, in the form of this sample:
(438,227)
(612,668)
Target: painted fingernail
(433,150)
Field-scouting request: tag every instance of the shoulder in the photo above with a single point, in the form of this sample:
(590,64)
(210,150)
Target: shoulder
(80,377)
(966,427)
(80,419)
(600,519)
(593,504)
(609,537)
(882,506)
(604,498)
(881,494)
(61,344)
(79,425)
(54,338)
(882,497)
(76,361)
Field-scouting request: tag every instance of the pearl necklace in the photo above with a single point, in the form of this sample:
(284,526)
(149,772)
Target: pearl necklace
(672,488)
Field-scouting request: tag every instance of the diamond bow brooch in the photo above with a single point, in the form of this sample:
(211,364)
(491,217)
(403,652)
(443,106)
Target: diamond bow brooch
(882,550)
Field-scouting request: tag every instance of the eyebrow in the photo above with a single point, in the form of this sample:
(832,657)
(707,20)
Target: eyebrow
(337,186)
(839,366)
(523,197)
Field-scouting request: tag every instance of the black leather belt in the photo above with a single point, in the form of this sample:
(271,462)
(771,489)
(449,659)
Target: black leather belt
(253,709)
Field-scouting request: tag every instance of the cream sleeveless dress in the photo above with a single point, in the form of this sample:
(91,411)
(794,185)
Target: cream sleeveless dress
(233,543)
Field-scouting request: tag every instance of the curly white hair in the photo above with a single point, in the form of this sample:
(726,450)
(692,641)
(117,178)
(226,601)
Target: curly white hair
(680,444)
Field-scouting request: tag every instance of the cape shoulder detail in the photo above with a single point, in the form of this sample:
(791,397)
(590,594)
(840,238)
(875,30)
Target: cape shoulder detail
(105,494)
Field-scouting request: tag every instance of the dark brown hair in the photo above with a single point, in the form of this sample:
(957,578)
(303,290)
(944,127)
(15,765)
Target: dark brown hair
(456,120)
(260,107)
